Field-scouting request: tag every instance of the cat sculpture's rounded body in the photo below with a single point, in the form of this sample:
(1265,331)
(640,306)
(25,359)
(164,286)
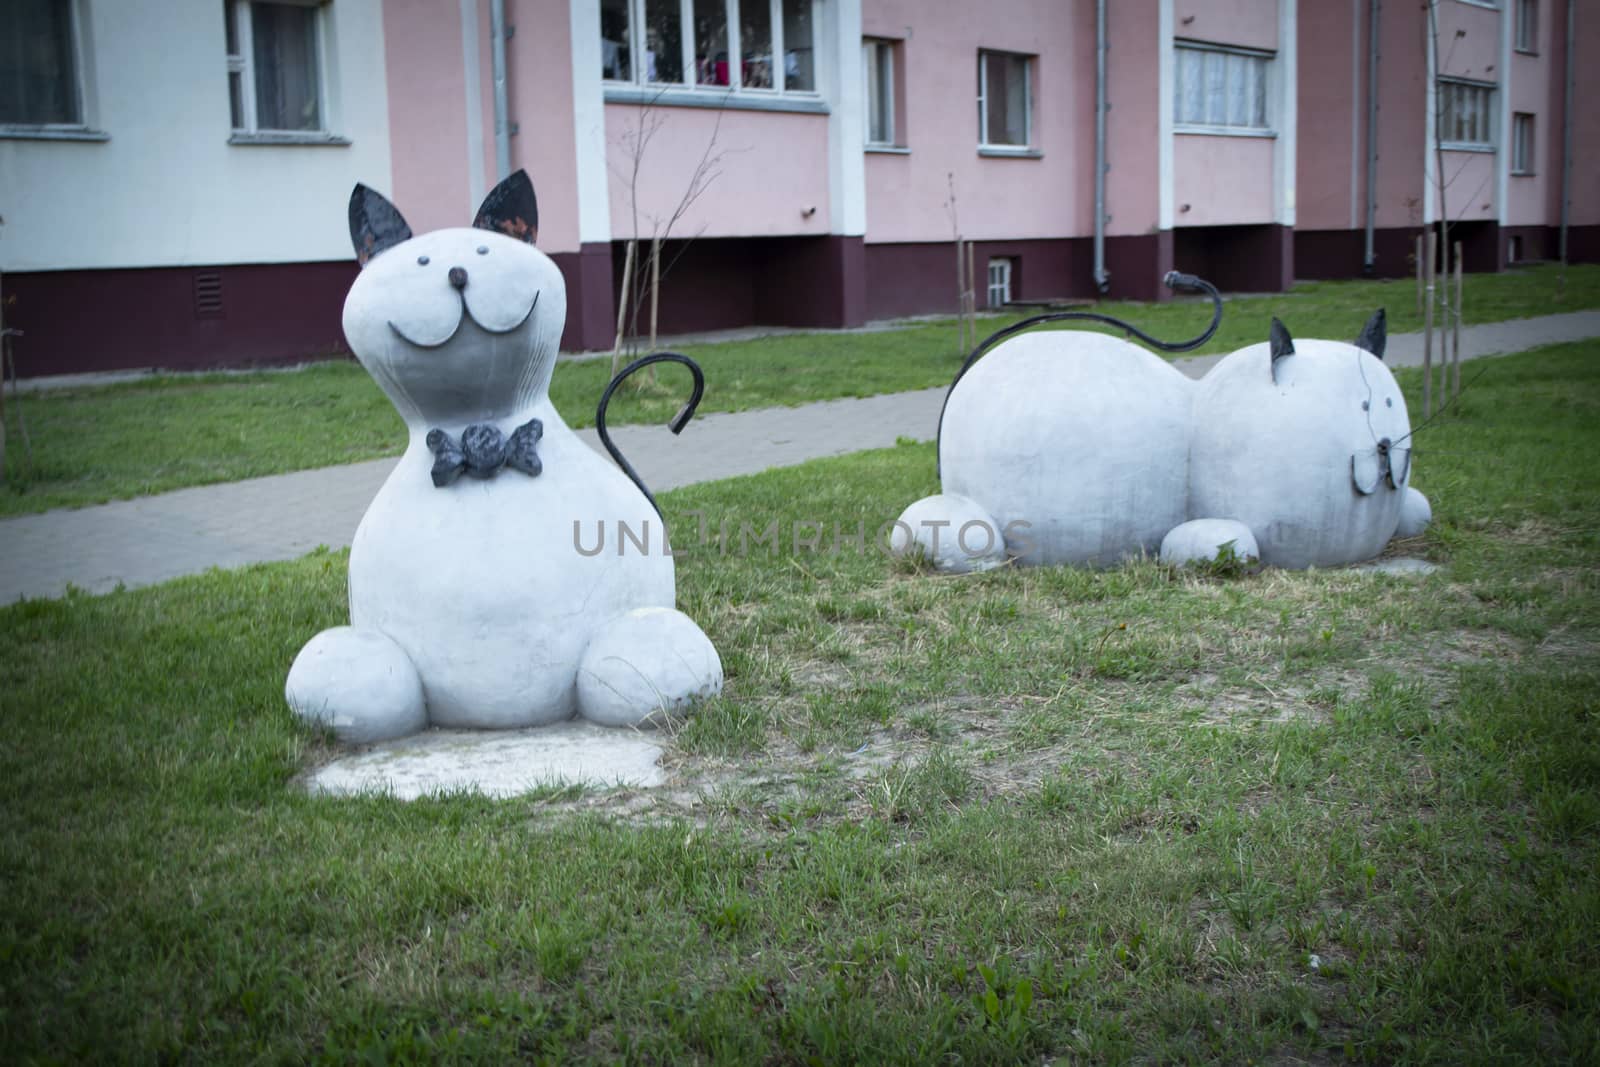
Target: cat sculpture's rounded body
(1079,457)
(485,588)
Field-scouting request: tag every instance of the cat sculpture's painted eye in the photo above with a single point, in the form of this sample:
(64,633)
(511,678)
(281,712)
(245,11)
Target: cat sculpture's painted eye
(1389,401)
(422,261)
(483,250)
(1366,405)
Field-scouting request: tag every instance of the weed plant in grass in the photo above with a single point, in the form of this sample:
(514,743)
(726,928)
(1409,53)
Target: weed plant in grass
(1136,815)
(130,440)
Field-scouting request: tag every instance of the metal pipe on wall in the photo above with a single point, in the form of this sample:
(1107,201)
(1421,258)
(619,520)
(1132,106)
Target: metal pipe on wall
(1369,262)
(1566,130)
(502,123)
(1102,277)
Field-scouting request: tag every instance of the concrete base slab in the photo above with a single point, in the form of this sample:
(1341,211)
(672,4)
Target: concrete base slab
(1399,565)
(500,763)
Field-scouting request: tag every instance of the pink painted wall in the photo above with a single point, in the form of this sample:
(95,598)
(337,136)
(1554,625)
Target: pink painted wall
(1052,196)
(1586,119)
(539,100)
(1470,185)
(1529,85)
(1133,138)
(428,112)
(1469,40)
(1244,23)
(1402,116)
(1330,144)
(427,105)
(772,167)
(1469,47)
(1222,181)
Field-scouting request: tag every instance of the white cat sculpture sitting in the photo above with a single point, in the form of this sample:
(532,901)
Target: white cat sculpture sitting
(470,603)
(1086,449)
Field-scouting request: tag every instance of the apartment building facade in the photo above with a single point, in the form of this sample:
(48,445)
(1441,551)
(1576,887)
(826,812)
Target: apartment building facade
(806,162)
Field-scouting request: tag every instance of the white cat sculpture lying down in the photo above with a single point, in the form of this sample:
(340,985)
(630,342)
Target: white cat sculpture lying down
(1082,448)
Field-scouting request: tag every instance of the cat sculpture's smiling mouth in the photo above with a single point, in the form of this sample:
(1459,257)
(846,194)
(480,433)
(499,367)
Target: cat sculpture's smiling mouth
(466,313)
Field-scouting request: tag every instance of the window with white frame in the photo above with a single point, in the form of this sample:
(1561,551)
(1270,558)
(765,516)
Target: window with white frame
(1005,100)
(764,47)
(1220,89)
(999,282)
(39,84)
(1521,143)
(1527,25)
(1466,114)
(275,66)
(877,63)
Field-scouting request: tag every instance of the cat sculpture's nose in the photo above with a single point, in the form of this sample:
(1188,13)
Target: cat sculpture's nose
(458,277)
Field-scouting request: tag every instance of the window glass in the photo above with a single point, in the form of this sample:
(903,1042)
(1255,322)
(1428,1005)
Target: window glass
(1464,114)
(1527,25)
(711,43)
(38,76)
(230,30)
(1217,88)
(999,282)
(878,57)
(285,56)
(799,54)
(663,42)
(1189,108)
(644,42)
(615,40)
(1004,94)
(755,44)
(1522,144)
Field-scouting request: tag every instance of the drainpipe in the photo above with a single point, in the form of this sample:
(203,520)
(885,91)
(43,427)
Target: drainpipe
(1102,277)
(1369,263)
(1566,133)
(497,52)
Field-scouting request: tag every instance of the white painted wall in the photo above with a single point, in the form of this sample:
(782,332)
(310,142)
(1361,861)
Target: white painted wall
(167,189)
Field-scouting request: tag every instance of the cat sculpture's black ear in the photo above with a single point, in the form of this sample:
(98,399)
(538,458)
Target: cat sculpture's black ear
(1375,334)
(511,209)
(375,224)
(1282,344)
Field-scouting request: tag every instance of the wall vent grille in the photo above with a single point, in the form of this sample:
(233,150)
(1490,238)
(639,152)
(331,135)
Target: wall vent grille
(208,294)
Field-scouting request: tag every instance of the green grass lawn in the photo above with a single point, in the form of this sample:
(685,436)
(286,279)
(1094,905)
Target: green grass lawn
(1138,815)
(116,442)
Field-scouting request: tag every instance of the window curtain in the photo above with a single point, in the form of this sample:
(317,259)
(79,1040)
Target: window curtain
(1005,94)
(1189,107)
(38,84)
(1214,88)
(286,67)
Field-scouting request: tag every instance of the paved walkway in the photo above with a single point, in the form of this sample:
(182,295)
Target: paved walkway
(152,539)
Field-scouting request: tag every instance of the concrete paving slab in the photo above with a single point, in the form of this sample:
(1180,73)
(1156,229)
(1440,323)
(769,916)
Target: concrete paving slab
(1403,566)
(495,764)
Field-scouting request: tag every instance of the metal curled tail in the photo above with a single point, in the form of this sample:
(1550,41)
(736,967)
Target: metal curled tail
(676,425)
(1173,279)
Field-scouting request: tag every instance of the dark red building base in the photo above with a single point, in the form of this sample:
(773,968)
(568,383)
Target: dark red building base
(264,314)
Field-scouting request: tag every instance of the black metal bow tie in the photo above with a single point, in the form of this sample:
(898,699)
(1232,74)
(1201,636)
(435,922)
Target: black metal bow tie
(483,450)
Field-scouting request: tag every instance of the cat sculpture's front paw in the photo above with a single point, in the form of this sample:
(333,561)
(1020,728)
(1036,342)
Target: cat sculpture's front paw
(1415,514)
(1208,541)
(645,668)
(359,683)
(952,532)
